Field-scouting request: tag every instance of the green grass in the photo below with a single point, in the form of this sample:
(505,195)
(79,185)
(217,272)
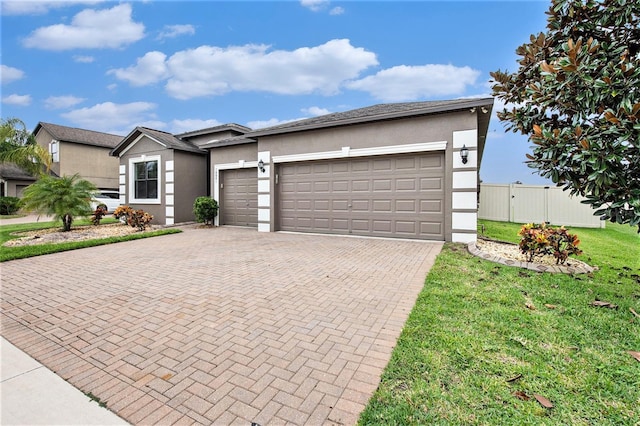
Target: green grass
(21,252)
(470,332)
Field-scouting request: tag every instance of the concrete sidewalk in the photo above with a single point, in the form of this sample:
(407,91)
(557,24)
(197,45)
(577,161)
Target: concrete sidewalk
(31,394)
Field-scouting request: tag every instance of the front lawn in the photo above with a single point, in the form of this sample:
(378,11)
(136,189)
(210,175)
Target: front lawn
(21,252)
(484,339)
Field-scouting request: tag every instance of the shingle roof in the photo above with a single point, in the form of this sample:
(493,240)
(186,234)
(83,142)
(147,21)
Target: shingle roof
(229,126)
(12,171)
(81,136)
(373,113)
(166,139)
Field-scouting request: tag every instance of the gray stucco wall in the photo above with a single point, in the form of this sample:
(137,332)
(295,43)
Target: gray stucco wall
(190,183)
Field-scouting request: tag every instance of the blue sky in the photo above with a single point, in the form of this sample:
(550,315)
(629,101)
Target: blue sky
(178,66)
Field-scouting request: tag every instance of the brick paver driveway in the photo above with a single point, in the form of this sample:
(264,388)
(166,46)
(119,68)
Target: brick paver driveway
(219,325)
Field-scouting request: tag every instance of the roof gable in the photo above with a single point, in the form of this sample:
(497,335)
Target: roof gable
(165,139)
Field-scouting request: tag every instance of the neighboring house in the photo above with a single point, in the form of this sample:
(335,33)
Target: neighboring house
(80,151)
(389,170)
(13,180)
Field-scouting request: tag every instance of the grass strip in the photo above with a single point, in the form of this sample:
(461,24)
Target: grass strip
(483,339)
(22,252)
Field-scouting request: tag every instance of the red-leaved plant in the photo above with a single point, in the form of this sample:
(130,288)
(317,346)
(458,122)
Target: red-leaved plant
(540,240)
(135,218)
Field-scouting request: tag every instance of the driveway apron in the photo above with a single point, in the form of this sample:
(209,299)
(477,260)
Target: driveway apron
(219,326)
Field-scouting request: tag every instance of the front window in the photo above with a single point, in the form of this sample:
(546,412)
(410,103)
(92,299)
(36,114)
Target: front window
(146,180)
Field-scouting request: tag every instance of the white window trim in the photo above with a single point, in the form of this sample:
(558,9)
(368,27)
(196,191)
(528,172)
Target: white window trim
(132,180)
(54,150)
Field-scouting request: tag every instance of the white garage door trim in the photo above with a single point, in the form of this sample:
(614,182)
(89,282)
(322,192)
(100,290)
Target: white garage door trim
(347,152)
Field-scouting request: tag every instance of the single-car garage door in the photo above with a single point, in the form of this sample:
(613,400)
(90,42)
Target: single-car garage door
(239,201)
(388,196)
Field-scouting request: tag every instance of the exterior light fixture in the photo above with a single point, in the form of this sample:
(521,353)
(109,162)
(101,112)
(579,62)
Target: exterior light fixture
(464,154)
(261,166)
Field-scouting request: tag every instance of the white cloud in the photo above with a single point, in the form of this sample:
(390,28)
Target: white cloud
(114,118)
(35,7)
(62,102)
(408,83)
(148,69)
(10,74)
(336,11)
(84,59)
(190,124)
(172,31)
(315,111)
(210,70)
(18,100)
(90,29)
(315,5)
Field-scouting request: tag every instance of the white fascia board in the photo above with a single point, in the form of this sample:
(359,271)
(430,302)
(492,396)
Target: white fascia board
(363,152)
(136,140)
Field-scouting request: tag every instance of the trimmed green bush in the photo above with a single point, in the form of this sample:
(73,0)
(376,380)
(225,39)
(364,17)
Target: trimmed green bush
(205,209)
(9,205)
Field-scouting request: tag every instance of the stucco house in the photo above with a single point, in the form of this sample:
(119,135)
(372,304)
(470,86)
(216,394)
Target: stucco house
(81,151)
(404,170)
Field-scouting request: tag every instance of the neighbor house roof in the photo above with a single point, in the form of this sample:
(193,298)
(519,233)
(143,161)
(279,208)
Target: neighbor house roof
(166,139)
(13,172)
(81,136)
(374,113)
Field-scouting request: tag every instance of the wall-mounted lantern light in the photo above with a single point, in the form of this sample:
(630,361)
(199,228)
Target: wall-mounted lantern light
(261,166)
(464,154)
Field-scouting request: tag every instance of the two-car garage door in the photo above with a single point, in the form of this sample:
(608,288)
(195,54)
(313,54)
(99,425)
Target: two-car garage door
(388,196)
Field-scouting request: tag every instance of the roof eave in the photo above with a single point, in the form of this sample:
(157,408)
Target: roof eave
(479,102)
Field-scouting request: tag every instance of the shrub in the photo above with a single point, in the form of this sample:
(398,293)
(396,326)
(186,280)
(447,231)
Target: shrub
(135,218)
(9,205)
(540,240)
(205,209)
(98,214)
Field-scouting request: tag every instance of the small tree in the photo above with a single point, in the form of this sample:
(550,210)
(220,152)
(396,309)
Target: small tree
(64,198)
(18,146)
(576,96)
(205,209)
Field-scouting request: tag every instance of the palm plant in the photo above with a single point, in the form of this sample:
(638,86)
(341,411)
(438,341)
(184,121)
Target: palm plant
(18,145)
(63,198)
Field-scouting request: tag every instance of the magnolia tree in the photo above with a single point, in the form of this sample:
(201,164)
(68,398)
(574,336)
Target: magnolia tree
(576,95)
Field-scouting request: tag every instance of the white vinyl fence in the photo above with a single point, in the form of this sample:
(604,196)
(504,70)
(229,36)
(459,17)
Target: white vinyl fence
(534,203)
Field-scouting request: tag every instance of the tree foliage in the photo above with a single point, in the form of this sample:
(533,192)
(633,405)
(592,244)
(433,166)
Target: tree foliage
(576,96)
(63,198)
(18,145)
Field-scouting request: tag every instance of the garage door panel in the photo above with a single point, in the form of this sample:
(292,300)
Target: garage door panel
(395,195)
(431,183)
(431,206)
(431,228)
(382,185)
(406,184)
